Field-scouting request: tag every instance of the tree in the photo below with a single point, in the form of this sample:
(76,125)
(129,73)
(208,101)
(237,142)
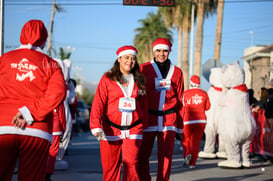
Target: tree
(87,97)
(219,26)
(204,8)
(152,28)
(179,17)
(64,54)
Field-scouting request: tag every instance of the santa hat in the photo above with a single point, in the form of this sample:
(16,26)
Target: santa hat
(195,81)
(162,43)
(125,50)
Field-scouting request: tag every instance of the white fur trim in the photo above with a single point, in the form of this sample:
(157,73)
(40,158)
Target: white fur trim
(60,133)
(195,122)
(26,131)
(126,52)
(96,130)
(194,84)
(31,47)
(160,129)
(161,46)
(26,115)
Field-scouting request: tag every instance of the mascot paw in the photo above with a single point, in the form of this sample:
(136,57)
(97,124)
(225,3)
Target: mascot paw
(229,164)
(247,164)
(203,154)
(221,155)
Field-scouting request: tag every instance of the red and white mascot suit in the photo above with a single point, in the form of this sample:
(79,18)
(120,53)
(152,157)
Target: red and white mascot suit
(237,126)
(215,94)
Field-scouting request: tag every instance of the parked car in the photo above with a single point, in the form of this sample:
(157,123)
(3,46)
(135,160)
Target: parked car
(82,117)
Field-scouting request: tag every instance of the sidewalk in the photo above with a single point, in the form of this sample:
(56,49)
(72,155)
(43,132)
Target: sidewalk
(84,165)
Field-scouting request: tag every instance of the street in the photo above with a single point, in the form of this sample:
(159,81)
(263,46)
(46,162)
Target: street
(84,165)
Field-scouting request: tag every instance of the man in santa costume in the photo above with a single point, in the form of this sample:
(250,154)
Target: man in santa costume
(195,103)
(164,87)
(31,86)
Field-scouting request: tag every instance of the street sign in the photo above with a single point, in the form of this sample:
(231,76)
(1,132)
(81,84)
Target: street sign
(168,3)
(210,63)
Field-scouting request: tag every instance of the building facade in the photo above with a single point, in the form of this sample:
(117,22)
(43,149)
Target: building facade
(258,67)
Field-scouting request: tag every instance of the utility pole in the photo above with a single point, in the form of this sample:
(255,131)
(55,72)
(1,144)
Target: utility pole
(49,42)
(2,27)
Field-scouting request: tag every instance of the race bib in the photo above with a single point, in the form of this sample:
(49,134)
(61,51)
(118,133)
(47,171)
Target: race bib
(127,104)
(162,84)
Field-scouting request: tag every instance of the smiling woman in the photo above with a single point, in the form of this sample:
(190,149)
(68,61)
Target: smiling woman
(126,62)
(119,114)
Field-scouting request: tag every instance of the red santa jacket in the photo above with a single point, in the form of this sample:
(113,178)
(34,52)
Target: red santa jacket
(59,120)
(163,98)
(32,82)
(105,108)
(195,103)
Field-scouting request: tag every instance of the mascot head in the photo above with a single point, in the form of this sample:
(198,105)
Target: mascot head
(215,77)
(233,75)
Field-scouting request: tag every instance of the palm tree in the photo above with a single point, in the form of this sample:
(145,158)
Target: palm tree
(64,54)
(179,17)
(204,8)
(219,25)
(152,28)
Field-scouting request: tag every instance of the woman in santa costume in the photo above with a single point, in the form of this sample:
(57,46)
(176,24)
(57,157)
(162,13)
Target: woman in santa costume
(118,116)
(31,86)
(195,103)
(164,87)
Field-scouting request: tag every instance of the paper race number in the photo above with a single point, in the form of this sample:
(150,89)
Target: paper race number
(127,104)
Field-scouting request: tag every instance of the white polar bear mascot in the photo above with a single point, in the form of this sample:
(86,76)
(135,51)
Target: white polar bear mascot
(237,126)
(213,116)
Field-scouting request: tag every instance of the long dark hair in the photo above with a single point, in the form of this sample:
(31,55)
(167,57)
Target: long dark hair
(115,74)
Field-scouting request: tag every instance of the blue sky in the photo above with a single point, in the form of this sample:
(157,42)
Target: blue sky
(95,29)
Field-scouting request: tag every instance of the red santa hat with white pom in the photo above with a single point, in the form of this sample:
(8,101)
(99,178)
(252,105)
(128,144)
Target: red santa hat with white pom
(195,81)
(125,50)
(162,43)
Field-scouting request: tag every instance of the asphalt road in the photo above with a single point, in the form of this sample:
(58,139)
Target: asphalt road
(84,165)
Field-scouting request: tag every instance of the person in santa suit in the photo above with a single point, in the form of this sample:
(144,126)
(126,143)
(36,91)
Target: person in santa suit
(59,124)
(118,116)
(31,87)
(195,103)
(164,87)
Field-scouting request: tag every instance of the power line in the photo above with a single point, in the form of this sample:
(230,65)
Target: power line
(115,3)
(49,3)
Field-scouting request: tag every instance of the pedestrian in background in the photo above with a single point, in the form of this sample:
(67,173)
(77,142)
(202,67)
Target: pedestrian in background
(252,99)
(59,123)
(195,103)
(31,86)
(70,99)
(118,116)
(164,87)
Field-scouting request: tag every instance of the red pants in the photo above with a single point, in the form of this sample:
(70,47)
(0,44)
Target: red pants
(165,145)
(32,153)
(53,152)
(192,135)
(114,153)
